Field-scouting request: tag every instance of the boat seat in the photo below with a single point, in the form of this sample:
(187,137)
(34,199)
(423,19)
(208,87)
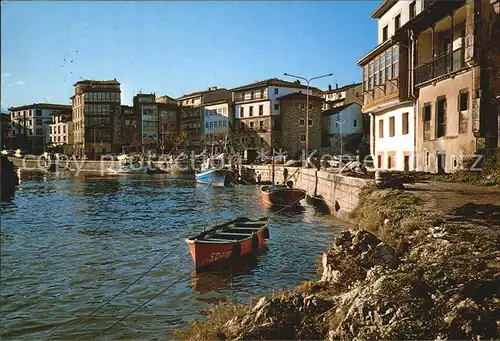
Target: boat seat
(219,240)
(233,234)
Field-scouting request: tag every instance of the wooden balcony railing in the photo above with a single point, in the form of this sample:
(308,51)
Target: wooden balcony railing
(441,65)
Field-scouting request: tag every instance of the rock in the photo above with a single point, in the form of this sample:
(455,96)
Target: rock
(353,254)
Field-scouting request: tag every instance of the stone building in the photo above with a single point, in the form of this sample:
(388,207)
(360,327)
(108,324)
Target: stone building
(30,125)
(456,81)
(169,126)
(257,111)
(130,122)
(61,132)
(293,116)
(146,109)
(96,117)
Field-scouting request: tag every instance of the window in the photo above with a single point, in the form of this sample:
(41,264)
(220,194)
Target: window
(382,69)
(390,161)
(276,91)
(310,122)
(392,128)
(302,106)
(211,124)
(397,22)
(404,127)
(370,76)
(426,118)
(261,110)
(380,129)
(388,64)
(276,106)
(302,122)
(250,113)
(377,69)
(206,124)
(441,117)
(355,123)
(463,108)
(251,124)
(395,61)
(385,33)
(262,93)
(252,95)
(427,158)
(261,124)
(310,106)
(365,78)
(302,138)
(38,112)
(242,96)
(413,11)
(64,129)
(242,111)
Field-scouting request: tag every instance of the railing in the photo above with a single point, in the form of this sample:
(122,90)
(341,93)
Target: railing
(248,97)
(441,65)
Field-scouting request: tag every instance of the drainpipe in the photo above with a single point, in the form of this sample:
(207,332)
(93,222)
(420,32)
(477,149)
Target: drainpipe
(412,57)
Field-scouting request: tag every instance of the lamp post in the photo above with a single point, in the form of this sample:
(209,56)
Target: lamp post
(308,81)
(340,133)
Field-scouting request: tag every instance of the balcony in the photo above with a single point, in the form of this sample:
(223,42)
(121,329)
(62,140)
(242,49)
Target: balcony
(248,96)
(440,66)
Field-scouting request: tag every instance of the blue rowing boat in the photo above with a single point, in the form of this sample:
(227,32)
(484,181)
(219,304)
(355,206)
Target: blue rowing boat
(214,177)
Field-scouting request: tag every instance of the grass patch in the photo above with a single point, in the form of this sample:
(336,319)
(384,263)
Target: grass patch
(212,327)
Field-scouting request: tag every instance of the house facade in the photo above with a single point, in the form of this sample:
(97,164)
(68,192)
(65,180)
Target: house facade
(61,132)
(338,97)
(130,122)
(345,128)
(218,120)
(96,110)
(146,109)
(386,95)
(30,125)
(169,125)
(257,111)
(293,116)
(456,80)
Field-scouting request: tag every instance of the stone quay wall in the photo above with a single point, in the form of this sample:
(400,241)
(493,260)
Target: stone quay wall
(338,193)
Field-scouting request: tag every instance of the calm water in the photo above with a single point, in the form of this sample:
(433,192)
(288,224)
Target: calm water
(70,243)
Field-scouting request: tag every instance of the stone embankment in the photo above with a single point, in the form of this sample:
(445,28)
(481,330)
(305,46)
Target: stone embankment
(407,272)
(8,177)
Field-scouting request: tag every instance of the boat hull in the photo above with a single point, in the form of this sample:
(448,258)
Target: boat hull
(209,252)
(214,177)
(124,170)
(282,196)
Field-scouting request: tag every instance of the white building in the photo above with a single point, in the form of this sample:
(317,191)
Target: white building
(386,95)
(338,97)
(257,110)
(217,119)
(61,132)
(30,125)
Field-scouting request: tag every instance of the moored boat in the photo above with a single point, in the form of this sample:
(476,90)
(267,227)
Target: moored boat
(214,177)
(228,241)
(128,169)
(281,195)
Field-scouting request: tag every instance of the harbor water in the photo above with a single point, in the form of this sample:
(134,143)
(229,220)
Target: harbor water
(69,243)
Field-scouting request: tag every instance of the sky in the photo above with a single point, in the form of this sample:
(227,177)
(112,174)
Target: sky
(174,48)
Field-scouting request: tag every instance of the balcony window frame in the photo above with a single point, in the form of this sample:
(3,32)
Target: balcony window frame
(405,128)
(463,111)
(412,10)
(397,22)
(385,33)
(392,126)
(427,119)
(441,117)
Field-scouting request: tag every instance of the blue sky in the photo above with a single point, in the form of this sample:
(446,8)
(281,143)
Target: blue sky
(175,48)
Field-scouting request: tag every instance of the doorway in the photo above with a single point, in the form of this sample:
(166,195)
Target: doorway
(407,163)
(441,166)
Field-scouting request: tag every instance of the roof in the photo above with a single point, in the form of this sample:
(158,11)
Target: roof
(273,82)
(41,106)
(343,88)
(299,96)
(63,112)
(92,81)
(199,93)
(383,8)
(375,51)
(336,110)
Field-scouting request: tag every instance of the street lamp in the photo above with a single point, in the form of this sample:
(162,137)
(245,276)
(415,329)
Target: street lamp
(340,133)
(307,102)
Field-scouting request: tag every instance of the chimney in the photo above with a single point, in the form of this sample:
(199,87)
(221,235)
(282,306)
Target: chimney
(329,87)
(336,85)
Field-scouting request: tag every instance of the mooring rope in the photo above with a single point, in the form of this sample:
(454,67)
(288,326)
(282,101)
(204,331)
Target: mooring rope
(81,318)
(152,298)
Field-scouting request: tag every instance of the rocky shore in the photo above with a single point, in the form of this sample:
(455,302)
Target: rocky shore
(407,272)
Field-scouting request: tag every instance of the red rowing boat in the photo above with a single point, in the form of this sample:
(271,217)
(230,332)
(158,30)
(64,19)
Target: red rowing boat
(228,241)
(281,195)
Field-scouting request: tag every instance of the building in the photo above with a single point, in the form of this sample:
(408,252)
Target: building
(257,111)
(30,125)
(169,113)
(146,109)
(293,115)
(338,97)
(130,129)
(166,99)
(346,128)
(61,132)
(191,122)
(386,95)
(218,120)
(456,81)
(96,117)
